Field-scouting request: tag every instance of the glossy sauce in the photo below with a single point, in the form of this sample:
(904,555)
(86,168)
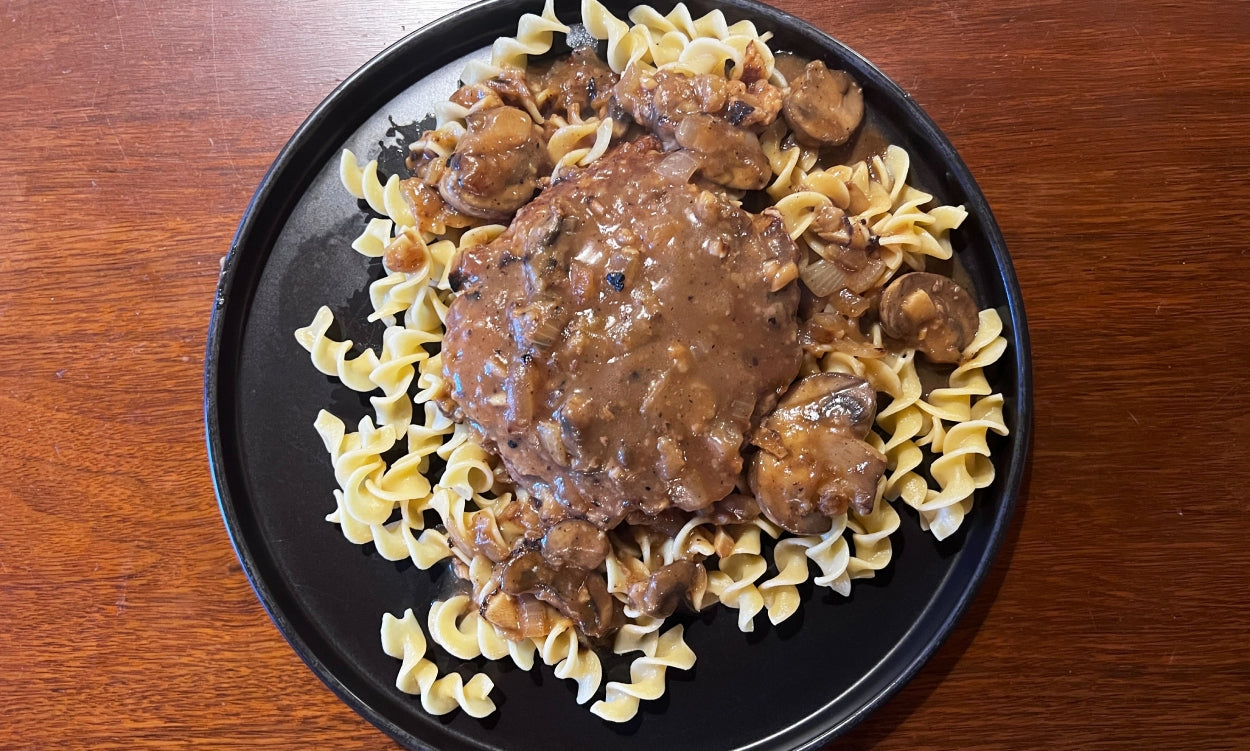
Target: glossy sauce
(617,342)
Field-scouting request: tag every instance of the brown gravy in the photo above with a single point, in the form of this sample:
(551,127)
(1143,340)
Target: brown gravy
(617,341)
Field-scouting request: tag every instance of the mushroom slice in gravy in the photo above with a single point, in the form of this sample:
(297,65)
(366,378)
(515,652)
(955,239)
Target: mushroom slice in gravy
(814,463)
(823,107)
(496,165)
(931,313)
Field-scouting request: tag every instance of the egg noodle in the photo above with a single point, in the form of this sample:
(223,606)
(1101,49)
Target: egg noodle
(445,487)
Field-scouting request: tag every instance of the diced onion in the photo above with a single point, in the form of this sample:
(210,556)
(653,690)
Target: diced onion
(741,409)
(823,278)
(546,333)
(550,439)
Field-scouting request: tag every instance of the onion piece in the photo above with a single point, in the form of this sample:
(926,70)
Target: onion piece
(741,409)
(550,439)
(823,278)
(678,166)
(546,333)
(850,304)
(407,252)
(534,617)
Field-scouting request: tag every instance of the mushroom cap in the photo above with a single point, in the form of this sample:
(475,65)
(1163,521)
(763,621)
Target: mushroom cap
(575,542)
(931,313)
(496,165)
(579,594)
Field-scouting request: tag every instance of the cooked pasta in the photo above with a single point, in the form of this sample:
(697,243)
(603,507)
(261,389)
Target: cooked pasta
(395,293)
(403,639)
(422,486)
(780,593)
(535,35)
(573,661)
(870,536)
(374,238)
(401,348)
(580,144)
(358,465)
(733,584)
(625,45)
(646,674)
(457,626)
(330,357)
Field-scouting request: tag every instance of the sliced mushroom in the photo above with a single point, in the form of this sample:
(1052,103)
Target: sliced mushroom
(727,155)
(786,505)
(823,107)
(578,85)
(667,522)
(661,100)
(734,508)
(834,401)
(508,88)
(524,573)
(496,165)
(815,482)
(822,465)
(665,589)
(577,543)
(931,313)
(789,65)
(579,594)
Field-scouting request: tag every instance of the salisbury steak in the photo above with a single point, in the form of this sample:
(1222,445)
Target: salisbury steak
(619,339)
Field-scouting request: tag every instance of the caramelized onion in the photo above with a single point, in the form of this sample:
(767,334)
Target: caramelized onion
(823,278)
(678,166)
(408,253)
(533,617)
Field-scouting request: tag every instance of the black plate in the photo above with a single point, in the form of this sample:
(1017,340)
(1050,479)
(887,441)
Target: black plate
(794,686)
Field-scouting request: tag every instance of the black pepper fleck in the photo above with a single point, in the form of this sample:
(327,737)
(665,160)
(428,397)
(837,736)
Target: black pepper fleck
(738,111)
(617,280)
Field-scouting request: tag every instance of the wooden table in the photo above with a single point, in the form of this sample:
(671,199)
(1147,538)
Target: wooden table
(1112,140)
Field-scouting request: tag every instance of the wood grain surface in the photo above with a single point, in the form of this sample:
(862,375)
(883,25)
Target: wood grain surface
(1111,138)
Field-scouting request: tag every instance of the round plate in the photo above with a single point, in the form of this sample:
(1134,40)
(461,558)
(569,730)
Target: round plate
(792,686)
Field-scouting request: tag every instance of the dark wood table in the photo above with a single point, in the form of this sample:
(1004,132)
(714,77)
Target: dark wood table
(1112,140)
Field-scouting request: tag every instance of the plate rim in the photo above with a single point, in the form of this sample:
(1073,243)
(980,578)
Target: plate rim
(229,316)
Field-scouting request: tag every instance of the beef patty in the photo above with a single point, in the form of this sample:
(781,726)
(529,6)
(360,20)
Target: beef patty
(616,343)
